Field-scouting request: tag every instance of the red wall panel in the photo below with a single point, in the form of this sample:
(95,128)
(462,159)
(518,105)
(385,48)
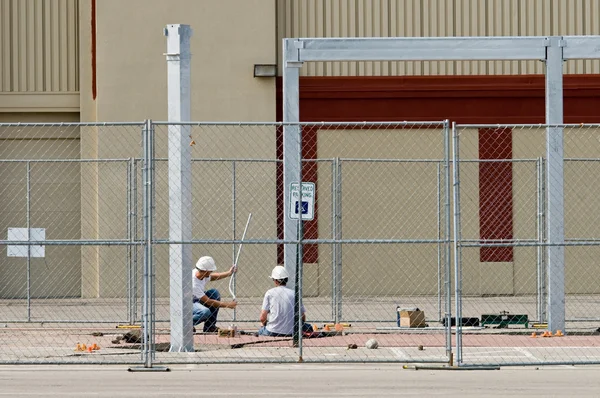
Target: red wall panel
(461,99)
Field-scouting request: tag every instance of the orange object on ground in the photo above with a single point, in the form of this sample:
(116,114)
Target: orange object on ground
(559,333)
(338,327)
(534,334)
(89,349)
(326,328)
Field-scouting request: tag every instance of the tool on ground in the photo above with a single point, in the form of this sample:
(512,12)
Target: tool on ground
(237,257)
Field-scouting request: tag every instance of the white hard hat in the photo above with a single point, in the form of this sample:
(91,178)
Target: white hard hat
(206,263)
(279,273)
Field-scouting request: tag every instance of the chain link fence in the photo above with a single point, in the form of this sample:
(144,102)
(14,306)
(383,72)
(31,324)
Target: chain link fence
(89,254)
(68,186)
(504,275)
(365,253)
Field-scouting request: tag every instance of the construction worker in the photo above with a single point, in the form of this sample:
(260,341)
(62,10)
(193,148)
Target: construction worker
(277,315)
(207,302)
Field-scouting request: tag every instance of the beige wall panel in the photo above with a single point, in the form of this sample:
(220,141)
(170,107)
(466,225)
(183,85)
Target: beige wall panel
(373,17)
(405,21)
(55,204)
(581,204)
(39,46)
(431,18)
(212,203)
(591,24)
(403,190)
(229,38)
(38,117)
(438,20)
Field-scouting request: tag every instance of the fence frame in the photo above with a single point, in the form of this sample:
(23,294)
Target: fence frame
(544,303)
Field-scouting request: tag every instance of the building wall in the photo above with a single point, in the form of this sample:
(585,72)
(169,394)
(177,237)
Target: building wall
(39,54)
(126,79)
(423,18)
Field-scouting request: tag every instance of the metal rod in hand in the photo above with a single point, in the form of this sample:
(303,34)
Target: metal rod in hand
(237,257)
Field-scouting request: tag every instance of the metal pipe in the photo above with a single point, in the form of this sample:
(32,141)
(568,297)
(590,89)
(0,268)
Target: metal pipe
(333,236)
(233,229)
(135,237)
(28,216)
(516,125)
(125,160)
(147,249)
(447,272)
(152,284)
(539,249)
(128,264)
(439,251)
(307,124)
(457,263)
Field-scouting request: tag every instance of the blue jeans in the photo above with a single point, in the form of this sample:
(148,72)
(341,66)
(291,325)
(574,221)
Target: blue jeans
(208,315)
(306,327)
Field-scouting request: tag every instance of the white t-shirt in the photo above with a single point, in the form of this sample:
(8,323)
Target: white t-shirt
(198,285)
(279,301)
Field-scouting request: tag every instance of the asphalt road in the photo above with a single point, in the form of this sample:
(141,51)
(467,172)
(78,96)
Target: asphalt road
(297,380)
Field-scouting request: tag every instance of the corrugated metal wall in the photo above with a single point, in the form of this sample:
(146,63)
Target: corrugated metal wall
(39,46)
(422,18)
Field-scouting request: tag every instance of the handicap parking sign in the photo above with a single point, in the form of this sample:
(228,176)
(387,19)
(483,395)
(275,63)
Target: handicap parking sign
(307,208)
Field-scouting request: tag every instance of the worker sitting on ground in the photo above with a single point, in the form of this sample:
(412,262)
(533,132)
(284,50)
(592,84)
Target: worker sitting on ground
(207,303)
(277,315)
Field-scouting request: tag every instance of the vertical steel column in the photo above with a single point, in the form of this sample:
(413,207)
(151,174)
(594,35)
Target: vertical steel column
(180,187)
(28,239)
(555,177)
(457,250)
(292,149)
(447,235)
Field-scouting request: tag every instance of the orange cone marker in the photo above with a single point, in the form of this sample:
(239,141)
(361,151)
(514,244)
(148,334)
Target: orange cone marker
(534,335)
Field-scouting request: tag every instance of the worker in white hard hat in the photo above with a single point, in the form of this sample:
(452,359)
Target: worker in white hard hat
(277,315)
(207,302)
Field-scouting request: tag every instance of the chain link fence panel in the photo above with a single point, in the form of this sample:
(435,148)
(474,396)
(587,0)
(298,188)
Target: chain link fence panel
(69,187)
(502,271)
(378,242)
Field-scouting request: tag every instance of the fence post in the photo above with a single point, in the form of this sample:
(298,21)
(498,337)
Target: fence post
(148,316)
(448,253)
(457,250)
(336,279)
(28,239)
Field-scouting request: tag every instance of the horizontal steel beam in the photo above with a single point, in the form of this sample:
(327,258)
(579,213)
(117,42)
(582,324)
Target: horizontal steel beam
(416,49)
(581,47)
